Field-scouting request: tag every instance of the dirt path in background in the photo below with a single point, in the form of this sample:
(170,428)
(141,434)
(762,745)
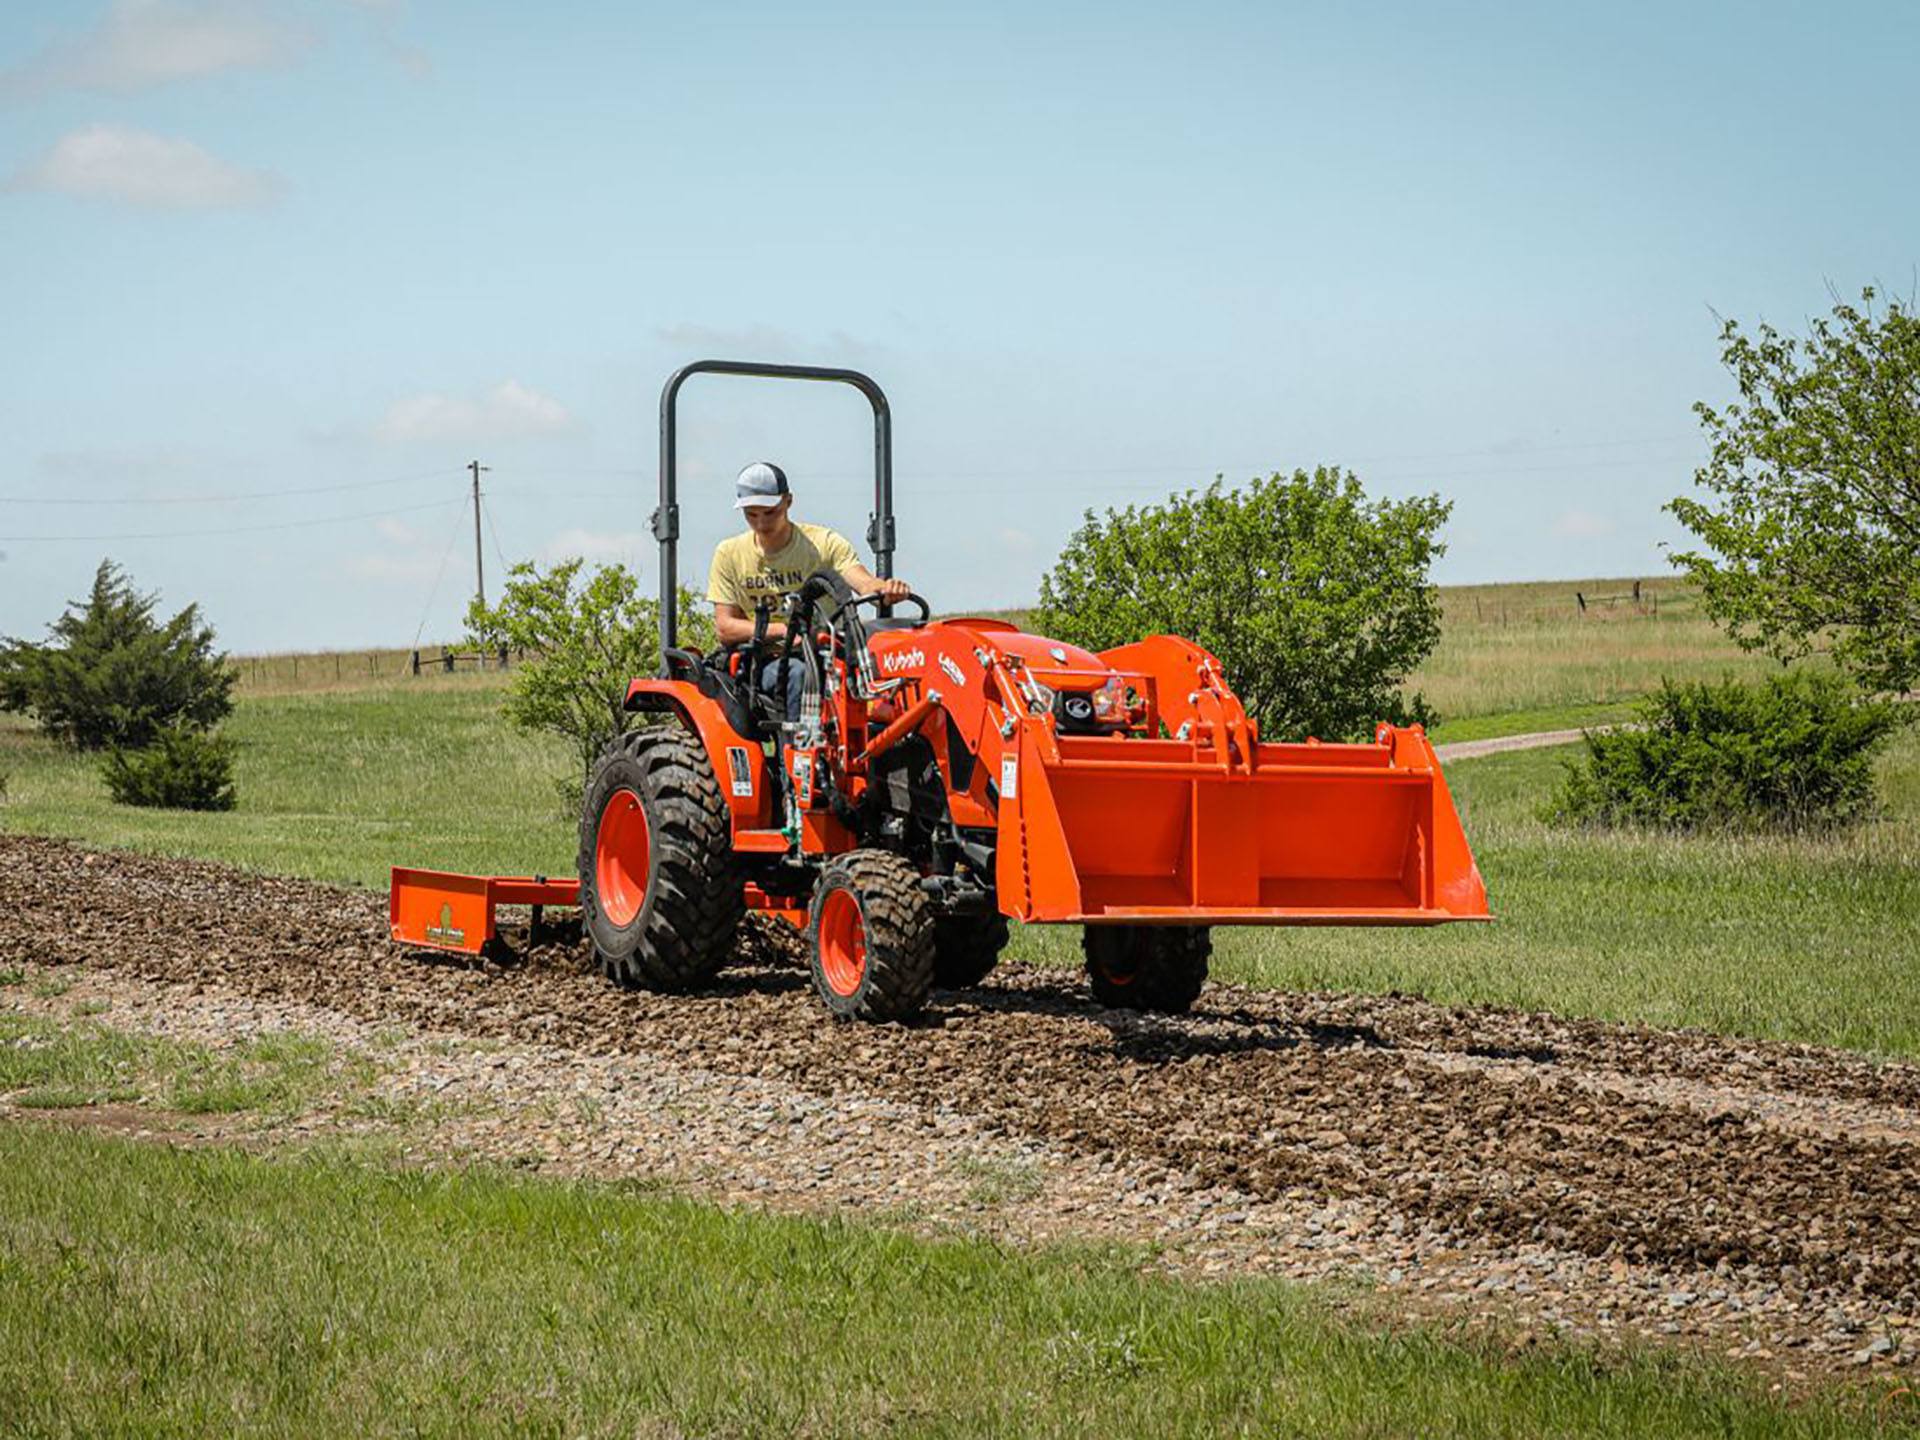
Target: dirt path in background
(1761,1199)
(1500,744)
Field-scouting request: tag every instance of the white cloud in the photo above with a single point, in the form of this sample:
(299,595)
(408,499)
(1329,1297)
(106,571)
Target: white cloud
(1015,542)
(143,43)
(596,546)
(1582,525)
(398,531)
(113,162)
(418,567)
(384,16)
(506,410)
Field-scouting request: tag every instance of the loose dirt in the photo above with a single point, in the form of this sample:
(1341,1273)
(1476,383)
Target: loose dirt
(1601,1179)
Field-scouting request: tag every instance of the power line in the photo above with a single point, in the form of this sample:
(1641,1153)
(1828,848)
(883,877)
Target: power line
(230,530)
(1041,472)
(453,534)
(494,532)
(227,499)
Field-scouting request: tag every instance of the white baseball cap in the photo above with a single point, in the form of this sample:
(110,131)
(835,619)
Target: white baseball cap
(760,484)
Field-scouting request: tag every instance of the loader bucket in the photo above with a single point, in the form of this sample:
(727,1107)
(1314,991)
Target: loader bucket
(1144,831)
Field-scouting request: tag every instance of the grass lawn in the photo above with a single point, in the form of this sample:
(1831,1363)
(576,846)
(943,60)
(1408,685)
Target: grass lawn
(157,1291)
(336,784)
(152,1290)
(1517,650)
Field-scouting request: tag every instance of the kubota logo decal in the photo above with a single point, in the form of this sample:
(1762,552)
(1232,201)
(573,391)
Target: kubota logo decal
(898,660)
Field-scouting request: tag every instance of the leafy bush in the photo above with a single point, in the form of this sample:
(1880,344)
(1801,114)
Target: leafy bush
(1316,602)
(1794,752)
(110,675)
(585,643)
(183,769)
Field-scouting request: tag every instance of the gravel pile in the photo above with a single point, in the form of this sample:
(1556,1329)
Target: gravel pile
(1600,1179)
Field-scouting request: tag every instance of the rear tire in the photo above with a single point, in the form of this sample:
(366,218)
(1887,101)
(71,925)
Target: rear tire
(966,948)
(659,892)
(1147,967)
(871,933)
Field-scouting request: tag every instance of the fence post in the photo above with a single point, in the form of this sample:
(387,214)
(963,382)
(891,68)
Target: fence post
(1581,601)
(416,662)
(503,657)
(446,659)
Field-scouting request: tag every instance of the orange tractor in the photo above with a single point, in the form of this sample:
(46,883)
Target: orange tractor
(946,776)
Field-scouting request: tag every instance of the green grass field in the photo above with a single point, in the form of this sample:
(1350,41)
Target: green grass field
(322,1294)
(154,1291)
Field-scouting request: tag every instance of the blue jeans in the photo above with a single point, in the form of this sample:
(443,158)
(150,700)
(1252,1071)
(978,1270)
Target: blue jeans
(768,679)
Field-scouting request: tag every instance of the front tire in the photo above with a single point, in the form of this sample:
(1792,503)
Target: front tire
(1147,967)
(658,889)
(871,933)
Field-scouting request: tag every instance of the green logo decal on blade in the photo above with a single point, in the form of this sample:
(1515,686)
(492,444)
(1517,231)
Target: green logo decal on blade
(444,933)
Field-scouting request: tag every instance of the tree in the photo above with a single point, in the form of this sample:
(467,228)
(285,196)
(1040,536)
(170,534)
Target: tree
(587,641)
(110,675)
(1316,601)
(1811,511)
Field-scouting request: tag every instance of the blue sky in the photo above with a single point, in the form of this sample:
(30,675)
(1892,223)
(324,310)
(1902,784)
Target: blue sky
(1095,254)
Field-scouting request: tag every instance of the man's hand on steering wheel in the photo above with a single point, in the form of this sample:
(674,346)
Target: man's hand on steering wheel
(893,588)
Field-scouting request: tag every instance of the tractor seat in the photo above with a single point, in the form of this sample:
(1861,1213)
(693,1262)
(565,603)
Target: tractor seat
(726,676)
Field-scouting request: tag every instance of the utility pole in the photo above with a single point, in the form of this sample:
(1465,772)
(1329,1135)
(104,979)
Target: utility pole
(479,569)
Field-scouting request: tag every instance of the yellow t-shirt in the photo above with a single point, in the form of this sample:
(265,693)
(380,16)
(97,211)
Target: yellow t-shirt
(744,575)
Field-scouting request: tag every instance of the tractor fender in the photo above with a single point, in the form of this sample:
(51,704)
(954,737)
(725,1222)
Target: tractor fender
(738,763)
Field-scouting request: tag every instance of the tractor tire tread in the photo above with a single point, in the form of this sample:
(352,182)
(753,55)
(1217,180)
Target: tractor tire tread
(695,901)
(899,926)
(1169,965)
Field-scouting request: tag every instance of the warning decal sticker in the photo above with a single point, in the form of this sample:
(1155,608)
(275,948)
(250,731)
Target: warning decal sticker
(738,771)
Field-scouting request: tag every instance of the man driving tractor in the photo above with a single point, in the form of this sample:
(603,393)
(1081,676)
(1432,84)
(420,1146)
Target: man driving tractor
(774,557)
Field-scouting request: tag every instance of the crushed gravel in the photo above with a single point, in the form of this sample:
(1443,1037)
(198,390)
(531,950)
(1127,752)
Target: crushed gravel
(1576,1176)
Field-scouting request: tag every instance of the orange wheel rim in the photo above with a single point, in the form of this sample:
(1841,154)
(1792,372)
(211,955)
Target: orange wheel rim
(1122,968)
(621,853)
(843,943)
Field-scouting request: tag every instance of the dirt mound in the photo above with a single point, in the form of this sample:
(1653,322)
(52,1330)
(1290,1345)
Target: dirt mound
(1789,1169)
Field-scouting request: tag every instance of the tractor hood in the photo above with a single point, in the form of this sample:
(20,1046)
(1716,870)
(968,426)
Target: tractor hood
(919,653)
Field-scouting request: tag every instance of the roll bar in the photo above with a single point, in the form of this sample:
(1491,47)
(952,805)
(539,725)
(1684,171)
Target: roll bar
(666,518)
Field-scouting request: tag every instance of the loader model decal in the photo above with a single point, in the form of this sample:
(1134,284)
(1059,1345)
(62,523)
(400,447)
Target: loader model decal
(899,660)
(954,672)
(445,933)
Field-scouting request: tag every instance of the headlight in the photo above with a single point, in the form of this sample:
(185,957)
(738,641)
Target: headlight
(1110,701)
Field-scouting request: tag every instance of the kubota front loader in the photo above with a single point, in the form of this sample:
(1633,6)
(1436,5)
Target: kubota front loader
(947,776)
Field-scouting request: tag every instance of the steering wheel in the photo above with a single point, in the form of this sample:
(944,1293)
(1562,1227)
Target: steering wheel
(889,622)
